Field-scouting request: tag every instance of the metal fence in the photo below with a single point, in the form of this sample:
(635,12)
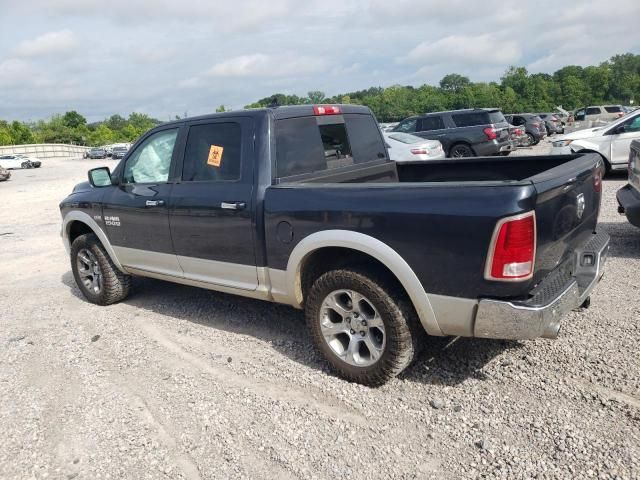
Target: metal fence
(46,151)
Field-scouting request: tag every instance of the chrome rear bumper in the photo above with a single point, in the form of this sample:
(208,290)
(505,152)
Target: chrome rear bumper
(556,295)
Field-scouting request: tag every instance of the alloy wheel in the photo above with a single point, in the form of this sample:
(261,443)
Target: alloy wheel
(352,328)
(89,270)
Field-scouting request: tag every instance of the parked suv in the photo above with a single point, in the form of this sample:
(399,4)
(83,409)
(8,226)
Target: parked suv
(533,126)
(598,115)
(612,141)
(463,133)
(552,123)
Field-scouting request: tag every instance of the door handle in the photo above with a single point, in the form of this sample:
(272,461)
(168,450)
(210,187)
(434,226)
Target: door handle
(233,205)
(154,203)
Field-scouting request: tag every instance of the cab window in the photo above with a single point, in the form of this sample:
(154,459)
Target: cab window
(213,153)
(151,161)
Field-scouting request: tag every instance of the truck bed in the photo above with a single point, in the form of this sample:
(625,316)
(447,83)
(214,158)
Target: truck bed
(474,169)
(442,216)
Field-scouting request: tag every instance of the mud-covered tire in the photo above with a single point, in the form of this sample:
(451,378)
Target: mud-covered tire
(115,285)
(402,329)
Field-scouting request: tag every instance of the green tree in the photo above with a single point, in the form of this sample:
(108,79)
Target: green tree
(316,96)
(454,82)
(73,119)
(220,109)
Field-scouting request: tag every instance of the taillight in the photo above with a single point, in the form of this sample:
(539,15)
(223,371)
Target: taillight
(420,151)
(513,249)
(597,180)
(491,133)
(326,110)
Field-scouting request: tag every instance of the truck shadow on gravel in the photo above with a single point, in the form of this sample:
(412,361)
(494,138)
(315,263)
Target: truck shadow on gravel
(625,239)
(444,361)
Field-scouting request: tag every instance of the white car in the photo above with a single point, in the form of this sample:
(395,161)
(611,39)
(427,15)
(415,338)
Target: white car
(611,141)
(11,161)
(404,147)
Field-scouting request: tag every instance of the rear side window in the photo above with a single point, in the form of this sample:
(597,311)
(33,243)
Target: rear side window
(212,153)
(365,140)
(470,119)
(613,109)
(304,146)
(496,117)
(431,123)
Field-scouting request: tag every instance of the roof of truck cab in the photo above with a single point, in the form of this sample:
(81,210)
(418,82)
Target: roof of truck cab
(288,111)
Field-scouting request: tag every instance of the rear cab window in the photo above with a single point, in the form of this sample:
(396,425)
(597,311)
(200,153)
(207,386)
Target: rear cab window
(310,144)
(613,109)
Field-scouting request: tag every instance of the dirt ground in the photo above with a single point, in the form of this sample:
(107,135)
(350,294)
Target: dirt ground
(179,382)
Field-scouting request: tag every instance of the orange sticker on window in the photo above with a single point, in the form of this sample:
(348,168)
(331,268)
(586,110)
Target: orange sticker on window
(215,156)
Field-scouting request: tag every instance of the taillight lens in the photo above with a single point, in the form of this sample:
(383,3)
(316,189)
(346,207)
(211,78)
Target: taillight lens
(326,110)
(513,249)
(491,133)
(597,180)
(420,151)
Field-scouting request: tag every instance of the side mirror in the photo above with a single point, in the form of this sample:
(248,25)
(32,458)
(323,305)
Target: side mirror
(100,177)
(620,129)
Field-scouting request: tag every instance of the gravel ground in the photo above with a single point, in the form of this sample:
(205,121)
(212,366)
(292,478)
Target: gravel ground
(178,382)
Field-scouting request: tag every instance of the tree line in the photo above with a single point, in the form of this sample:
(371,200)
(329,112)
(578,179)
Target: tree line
(72,128)
(615,81)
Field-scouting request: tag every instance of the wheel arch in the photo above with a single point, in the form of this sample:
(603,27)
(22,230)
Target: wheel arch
(77,223)
(360,248)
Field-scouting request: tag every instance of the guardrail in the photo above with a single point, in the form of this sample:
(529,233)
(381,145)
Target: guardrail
(45,151)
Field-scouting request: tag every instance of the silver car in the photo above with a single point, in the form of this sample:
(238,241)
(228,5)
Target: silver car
(404,147)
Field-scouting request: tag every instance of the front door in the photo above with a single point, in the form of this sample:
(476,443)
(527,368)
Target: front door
(136,210)
(211,212)
(621,142)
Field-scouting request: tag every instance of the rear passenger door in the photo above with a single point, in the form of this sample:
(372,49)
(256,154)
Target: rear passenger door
(212,203)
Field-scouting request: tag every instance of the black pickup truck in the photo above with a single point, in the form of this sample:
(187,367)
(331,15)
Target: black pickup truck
(301,205)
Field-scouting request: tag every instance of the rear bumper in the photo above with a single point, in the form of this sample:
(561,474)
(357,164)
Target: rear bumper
(487,149)
(559,293)
(629,204)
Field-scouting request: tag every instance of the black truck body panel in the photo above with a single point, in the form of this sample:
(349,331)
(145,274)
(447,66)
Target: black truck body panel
(439,217)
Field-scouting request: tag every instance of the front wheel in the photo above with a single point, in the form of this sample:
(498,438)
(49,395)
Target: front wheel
(363,325)
(98,278)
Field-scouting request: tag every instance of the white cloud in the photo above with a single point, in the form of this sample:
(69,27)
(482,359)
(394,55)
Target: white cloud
(260,64)
(15,72)
(51,43)
(481,49)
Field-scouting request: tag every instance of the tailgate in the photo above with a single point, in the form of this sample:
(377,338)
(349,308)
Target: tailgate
(567,208)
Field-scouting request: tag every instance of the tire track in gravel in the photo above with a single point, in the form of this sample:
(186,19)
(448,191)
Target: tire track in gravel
(182,460)
(277,392)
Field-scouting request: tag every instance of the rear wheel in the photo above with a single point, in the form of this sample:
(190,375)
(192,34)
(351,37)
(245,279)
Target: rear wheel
(362,324)
(461,150)
(98,278)
(25,165)
(530,141)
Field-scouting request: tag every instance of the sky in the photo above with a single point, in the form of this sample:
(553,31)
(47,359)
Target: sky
(171,57)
